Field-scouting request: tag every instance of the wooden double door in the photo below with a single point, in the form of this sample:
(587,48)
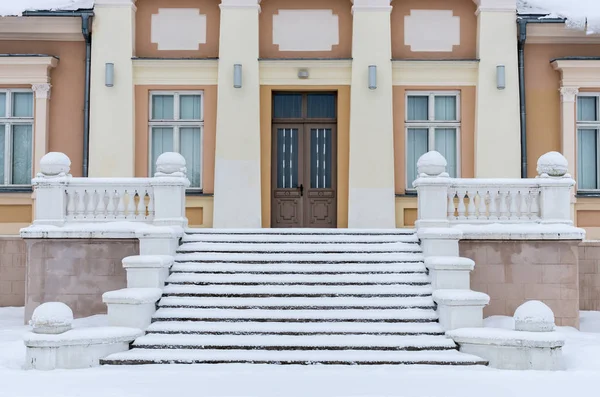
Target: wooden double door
(304,176)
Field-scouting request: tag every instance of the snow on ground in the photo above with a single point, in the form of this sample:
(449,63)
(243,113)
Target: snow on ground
(582,354)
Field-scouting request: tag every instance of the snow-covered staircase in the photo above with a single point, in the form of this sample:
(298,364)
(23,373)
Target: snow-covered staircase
(277,296)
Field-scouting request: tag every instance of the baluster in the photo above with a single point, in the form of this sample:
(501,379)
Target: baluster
(461,204)
(90,206)
(120,195)
(524,207)
(71,204)
(514,204)
(492,207)
(140,207)
(150,204)
(471,206)
(130,204)
(80,210)
(503,207)
(451,194)
(101,204)
(110,208)
(535,207)
(482,211)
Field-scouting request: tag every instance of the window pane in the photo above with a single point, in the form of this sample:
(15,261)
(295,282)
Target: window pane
(418,108)
(22,104)
(190,143)
(287,106)
(21,154)
(416,146)
(445,108)
(162,141)
(2,150)
(445,143)
(189,108)
(287,158)
(162,107)
(3,104)
(587,166)
(587,109)
(321,106)
(320,158)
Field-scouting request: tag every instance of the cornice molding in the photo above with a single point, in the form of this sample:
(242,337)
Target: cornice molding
(26,69)
(41,28)
(575,74)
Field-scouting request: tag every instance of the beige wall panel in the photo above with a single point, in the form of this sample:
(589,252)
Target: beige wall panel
(467,131)
(16,213)
(465,9)
(146,8)
(341,8)
(66,101)
(142,96)
(199,210)
(343,147)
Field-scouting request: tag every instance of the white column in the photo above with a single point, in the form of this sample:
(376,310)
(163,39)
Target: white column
(112,152)
(497,126)
(42,123)
(568,122)
(237,202)
(371,185)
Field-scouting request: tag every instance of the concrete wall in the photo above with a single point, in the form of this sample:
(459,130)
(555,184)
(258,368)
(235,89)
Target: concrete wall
(12,271)
(512,272)
(76,272)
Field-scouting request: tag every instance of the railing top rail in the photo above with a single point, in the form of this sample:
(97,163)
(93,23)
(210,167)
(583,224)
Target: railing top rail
(531,182)
(109,181)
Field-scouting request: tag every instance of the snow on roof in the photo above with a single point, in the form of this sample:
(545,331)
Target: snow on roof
(17,7)
(579,14)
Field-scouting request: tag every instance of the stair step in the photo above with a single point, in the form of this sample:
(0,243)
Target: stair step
(252,327)
(303,232)
(187,356)
(299,303)
(298,342)
(327,238)
(297,279)
(308,268)
(300,257)
(273,315)
(291,248)
(397,290)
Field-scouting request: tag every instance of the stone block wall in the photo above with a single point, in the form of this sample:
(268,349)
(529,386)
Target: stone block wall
(12,271)
(76,272)
(589,275)
(513,272)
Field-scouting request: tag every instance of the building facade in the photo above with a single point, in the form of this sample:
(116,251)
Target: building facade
(297,113)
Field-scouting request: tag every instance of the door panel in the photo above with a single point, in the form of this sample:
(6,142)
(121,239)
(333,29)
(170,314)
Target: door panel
(321,200)
(287,208)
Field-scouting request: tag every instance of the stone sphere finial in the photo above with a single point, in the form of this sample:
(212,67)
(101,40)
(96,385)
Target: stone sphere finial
(432,164)
(170,163)
(55,164)
(51,318)
(552,164)
(534,316)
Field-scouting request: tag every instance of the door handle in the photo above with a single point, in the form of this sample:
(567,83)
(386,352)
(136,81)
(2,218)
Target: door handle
(301,187)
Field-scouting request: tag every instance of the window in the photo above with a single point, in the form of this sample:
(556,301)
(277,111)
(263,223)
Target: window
(432,123)
(16,137)
(588,127)
(176,123)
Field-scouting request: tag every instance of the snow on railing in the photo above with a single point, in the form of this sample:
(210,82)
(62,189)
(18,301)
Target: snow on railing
(443,200)
(62,199)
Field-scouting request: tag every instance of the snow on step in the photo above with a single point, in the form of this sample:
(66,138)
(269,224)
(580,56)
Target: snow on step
(302,302)
(275,328)
(295,315)
(300,342)
(300,257)
(303,231)
(301,239)
(298,248)
(297,290)
(187,356)
(345,268)
(296,279)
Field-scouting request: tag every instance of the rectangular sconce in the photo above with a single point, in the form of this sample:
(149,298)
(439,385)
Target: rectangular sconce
(303,74)
(372,77)
(501,77)
(109,75)
(237,76)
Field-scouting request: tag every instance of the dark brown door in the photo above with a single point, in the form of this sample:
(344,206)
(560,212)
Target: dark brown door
(304,161)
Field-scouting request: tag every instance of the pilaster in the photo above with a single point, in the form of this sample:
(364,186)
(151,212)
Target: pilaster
(237,202)
(371,180)
(112,151)
(42,123)
(568,122)
(497,128)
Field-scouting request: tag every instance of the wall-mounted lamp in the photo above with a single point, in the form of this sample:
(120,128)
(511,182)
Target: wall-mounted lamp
(109,75)
(372,77)
(500,77)
(303,74)
(237,76)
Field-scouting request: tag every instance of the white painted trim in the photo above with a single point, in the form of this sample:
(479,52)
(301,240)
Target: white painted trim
(438,73)
(321,72)
(175,71)
(41,28)
(26,69)
(558,33)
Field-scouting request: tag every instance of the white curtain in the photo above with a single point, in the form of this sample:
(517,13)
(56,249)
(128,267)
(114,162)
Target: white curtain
(162,141)
(190,144)
(587,157)
(445,108)
(416,146)
(21,160)
(22,104)
(418,108)
(445,143)
(189,107)
(587,108)
(162,107)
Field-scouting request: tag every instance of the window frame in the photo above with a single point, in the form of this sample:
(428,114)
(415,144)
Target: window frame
(9,121)
(431,124)
(177,124)
(588,125)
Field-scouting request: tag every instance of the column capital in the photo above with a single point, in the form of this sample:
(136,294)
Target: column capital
(371,5)
(495,6)
(42,91)
(568,94)
(255,4)
(115,3)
